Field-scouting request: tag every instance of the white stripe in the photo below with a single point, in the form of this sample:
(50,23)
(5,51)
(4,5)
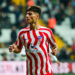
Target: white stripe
(21,35)
(50,37)
(23,30)
(26,39)
(39,64)
(33,39)
(28,66)
(42,53)
(44,43)
(44,59)
(49,66)
(33,63)
(37,56)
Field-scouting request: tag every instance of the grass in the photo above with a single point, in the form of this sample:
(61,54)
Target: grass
(65,74)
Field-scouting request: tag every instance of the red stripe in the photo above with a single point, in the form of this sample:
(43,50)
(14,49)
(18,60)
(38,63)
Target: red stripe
(27,27)
(47,46)
(41,46)
(26,67)
(41,58)
(24,39)
(21,32)
(16,42)
(52,36)
(36,38)
(48,39)
(19,42)
(29,40)
(30,64)
(49,58)
(50,33)
(36,63)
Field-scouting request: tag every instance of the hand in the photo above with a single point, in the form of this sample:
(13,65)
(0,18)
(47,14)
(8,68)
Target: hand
(12,48)
(54,51)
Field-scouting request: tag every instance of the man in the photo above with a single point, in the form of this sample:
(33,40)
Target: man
(36,40)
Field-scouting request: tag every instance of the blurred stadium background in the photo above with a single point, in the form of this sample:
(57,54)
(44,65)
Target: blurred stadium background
(58,15)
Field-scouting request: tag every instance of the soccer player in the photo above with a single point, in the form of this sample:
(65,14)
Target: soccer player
(36,40)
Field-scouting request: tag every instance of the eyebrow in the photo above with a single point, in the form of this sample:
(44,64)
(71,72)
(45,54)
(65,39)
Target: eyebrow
(29,12)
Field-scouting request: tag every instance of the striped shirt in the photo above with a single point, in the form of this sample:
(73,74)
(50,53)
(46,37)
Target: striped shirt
(36,44)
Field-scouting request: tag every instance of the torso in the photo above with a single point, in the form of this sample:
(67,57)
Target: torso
(36,45)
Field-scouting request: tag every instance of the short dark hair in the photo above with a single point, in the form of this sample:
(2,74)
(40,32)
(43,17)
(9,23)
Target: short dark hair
(36,9)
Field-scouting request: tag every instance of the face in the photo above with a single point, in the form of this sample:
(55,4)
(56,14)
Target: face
(31,17)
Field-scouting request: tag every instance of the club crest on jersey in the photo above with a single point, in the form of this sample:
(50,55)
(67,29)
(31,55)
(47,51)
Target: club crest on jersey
(40,38)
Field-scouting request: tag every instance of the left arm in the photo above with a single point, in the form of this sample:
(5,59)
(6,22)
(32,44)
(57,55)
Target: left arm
(52,42)
(54,58)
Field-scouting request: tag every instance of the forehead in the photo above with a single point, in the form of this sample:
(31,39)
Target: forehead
(29,12)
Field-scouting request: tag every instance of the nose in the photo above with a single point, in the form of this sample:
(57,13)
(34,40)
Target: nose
(27,15)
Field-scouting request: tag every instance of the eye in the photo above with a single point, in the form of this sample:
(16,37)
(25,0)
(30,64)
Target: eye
(30,13)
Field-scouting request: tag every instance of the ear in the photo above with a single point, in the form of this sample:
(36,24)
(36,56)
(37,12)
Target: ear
(38,16)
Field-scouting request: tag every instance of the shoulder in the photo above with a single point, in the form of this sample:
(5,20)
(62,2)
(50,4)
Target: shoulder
(22,31)
(45,29)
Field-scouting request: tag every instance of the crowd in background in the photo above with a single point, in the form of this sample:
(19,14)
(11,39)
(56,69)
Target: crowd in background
(13,17)
(59,9)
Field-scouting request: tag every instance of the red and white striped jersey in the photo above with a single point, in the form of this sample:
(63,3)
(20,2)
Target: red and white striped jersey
(36,44)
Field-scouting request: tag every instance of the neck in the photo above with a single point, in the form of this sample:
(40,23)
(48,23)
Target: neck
(34,26)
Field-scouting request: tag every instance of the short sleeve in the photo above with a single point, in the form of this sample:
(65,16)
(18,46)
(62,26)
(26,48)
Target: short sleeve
(51,39)
(19,41)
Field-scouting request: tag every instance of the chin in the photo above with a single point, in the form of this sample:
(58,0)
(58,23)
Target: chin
(28,22)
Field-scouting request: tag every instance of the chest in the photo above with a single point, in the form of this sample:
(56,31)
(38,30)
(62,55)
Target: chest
(34,37)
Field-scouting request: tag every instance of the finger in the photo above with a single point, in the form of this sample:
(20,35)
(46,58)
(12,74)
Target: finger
(13,50)
(10,49)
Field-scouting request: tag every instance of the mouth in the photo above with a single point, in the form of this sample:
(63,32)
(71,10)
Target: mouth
(28,19)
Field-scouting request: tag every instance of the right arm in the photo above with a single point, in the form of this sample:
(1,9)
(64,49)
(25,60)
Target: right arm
(17,46)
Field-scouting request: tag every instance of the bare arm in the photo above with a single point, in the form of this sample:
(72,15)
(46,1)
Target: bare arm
(53,57)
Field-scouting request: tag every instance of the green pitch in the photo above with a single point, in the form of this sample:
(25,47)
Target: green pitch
(64,74)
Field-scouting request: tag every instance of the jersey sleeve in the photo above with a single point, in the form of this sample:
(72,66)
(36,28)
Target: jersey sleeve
(51,39)
(19,41)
